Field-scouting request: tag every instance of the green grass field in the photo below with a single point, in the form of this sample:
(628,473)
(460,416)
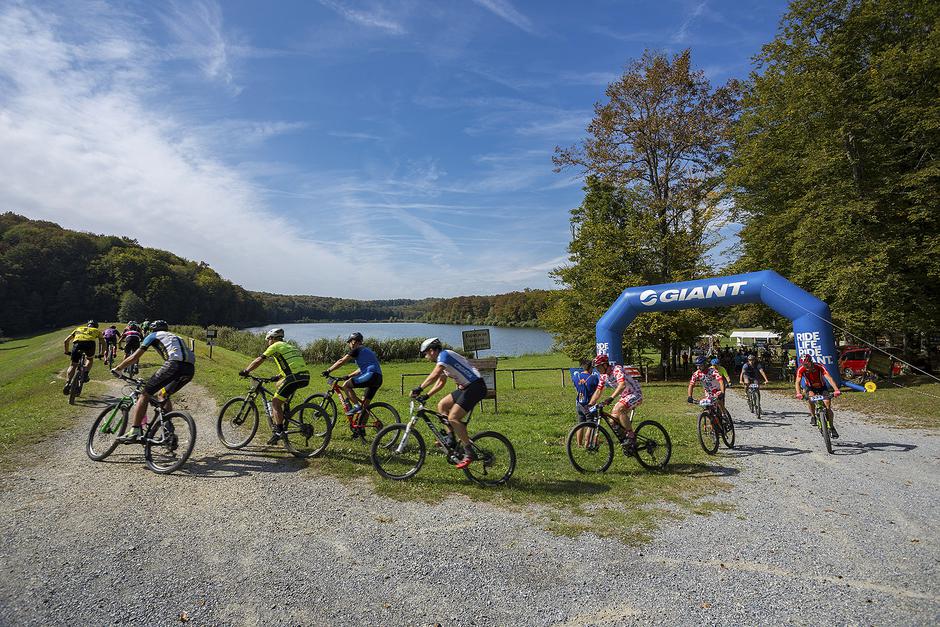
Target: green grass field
(625,502)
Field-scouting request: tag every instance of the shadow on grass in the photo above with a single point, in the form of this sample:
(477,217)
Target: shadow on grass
(750,424)
(12,348)
(841,447)
(558,487)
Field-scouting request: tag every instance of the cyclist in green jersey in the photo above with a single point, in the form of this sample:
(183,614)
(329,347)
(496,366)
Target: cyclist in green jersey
(721,370)
(294,375)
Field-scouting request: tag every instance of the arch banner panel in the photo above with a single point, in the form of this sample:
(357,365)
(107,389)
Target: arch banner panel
(812,328)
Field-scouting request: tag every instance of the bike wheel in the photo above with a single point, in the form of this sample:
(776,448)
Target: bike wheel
(307,430)
(596,454)
(169,441)
(395,455)
(757,411)
(326,403)
(380,416)
(496,459)
(108,426)
(75,385)
(237,423)
(707,434)
(822,421)
(727,429)
(653,445)
(750,401)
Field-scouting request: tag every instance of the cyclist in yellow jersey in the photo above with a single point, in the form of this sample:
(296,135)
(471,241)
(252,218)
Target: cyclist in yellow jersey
(83,341)
(721,370)
(293,370)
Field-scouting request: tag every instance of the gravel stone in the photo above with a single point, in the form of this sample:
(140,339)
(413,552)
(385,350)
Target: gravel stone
(255,537)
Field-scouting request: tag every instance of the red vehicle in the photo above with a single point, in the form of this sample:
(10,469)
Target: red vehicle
(855,361)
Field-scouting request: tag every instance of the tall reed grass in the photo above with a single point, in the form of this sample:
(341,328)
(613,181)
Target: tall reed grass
(322,351)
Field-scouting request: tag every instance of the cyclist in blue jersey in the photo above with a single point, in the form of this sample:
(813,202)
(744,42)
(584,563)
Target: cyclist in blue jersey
(368,373)
(471,389)
(178,369)
(585,382)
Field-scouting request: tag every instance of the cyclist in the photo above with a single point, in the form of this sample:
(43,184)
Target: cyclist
(131,338)
(471,389)
(712,382)
(177,370)
(368,373)
(751,369)
(145,328)
(111,340)
(585,383)
(294,375)
(83,340)
(625,387)
(816,377)
(721,370)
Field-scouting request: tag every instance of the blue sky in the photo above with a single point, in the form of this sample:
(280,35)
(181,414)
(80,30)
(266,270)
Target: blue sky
(357,148)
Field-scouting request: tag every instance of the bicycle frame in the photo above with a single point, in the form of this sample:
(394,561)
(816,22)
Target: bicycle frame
(819,407)
(426,414)
(356,420)
(613,424)
(714,413)
(130,401)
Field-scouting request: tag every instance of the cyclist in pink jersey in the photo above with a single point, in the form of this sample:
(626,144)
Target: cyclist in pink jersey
(712,382)
(627,393)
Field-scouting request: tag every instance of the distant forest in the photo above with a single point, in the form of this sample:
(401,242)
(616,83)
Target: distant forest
(51,277)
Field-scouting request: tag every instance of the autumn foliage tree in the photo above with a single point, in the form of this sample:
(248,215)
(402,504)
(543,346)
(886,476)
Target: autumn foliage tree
(654,158)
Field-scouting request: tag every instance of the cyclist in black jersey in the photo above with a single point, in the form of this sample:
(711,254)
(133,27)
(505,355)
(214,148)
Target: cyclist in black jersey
(751,370)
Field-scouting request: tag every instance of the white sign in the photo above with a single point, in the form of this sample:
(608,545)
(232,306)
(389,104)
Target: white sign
(672,295)
(476,340)
(808,343)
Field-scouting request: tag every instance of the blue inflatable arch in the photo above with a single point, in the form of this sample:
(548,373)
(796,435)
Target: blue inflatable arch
(812,328)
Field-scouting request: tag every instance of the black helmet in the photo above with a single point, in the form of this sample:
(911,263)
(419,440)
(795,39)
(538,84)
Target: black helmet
(354,336)
(159,325)
(428,344)
(92,323)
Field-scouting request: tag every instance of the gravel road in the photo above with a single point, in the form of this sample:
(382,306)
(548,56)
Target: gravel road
(256,537)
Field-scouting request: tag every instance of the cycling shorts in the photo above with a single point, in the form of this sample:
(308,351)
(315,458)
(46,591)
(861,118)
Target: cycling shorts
(630,400)
(583,413)
(812,390)
(372,381)
(468,397)
(171,377)
(84,347)
(111,341)
(131,345)
(290,384)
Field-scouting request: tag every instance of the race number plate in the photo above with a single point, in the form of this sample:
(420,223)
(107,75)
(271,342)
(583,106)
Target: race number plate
(705,402)
(753,386)
(817,398)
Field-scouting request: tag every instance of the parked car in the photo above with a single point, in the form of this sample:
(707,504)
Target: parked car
(855,361)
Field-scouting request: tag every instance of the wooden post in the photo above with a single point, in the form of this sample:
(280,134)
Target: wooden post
(513,373)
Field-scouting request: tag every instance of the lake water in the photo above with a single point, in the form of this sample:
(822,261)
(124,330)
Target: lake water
(505,341)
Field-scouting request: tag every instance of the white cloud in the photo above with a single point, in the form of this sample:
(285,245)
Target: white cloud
(505,10)
(376,17)
(681,35)
(80,147)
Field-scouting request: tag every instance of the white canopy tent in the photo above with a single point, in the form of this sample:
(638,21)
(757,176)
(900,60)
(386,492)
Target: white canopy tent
(747,338)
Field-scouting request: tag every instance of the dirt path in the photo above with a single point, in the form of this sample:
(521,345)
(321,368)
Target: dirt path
(257,537)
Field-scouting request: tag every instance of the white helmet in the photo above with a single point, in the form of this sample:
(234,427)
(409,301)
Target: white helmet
(428,344)
(275,334)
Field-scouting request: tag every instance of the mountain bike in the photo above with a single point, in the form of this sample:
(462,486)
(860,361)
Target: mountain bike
(753,399)
(712,424)
(307,429)
(110,353)
(77,382)
(823,417)
(398,451)
(168,438)
(652,447)
(372,418)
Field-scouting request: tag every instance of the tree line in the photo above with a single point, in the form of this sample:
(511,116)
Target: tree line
(827,155)
(51,277)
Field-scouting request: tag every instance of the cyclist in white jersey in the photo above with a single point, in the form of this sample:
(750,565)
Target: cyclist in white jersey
(471,389)
(178,370)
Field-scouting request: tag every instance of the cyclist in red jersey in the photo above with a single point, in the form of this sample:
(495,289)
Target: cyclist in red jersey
(816,377)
